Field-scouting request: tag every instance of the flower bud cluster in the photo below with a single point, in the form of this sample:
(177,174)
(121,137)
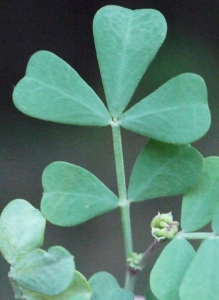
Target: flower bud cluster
(134,260)
(163,226)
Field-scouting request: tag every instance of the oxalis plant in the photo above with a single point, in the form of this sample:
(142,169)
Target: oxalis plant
(172,117)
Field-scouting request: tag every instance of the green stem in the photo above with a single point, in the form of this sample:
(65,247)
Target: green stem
(195,235)
(156,244)
(120,170)
(126,227)
(132,272)
(124,203)
(130,279)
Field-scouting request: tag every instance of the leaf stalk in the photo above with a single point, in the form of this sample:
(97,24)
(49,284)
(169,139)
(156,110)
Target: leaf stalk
(196,235)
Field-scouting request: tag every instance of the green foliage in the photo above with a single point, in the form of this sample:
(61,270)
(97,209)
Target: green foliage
(48,273)
(164,170)
(126,42)
(150,296)
(169,269)
(79,289)
(173,116)
(105,287)
(177,112)
(200,203)
(20,232)
(201,279)
(51,90)
(32,269)
(72,195)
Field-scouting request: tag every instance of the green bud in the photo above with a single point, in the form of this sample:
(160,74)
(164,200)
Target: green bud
(159,234)
(167,217)
(163,226)
(134,260)
(155,221)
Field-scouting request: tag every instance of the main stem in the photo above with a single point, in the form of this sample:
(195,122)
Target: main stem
(124,203)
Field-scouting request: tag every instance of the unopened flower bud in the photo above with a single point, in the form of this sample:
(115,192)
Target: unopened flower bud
(163,226)
(134,260)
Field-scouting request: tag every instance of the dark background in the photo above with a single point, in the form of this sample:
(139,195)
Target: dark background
(29,145)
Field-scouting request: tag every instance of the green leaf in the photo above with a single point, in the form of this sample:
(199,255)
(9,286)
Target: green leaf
(164,170)
(105,287)
(51,90)
(126,42)
(121,294)
(215,220)
(78,289)
(201,281)
(175,113)
(102,284)
(168,271)
(199,203)
(150,296)
(72,195)
(21,229)
(48,273)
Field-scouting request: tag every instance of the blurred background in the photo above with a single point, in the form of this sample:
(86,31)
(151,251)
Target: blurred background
(28,145)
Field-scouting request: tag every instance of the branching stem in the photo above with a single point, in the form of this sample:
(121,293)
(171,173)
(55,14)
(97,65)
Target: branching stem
(132,272)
